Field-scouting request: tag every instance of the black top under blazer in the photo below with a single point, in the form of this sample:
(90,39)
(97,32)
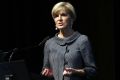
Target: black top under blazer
(73,51)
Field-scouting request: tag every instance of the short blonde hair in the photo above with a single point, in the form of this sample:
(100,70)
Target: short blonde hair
(64,6)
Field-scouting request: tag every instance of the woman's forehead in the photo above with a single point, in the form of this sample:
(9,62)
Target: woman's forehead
(60,11)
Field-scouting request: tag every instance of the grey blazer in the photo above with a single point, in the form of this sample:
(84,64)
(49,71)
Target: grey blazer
(73,51)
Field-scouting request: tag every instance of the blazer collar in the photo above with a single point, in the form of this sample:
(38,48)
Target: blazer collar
(67,40)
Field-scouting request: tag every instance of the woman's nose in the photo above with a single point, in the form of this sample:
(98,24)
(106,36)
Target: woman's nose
(60,17)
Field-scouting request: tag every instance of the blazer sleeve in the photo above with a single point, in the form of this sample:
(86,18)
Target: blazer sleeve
(89,61)
(46,56)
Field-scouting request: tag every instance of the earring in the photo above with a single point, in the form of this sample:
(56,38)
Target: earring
(56,28)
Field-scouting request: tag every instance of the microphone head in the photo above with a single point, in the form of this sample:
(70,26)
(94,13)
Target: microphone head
(44,40)
(15,49)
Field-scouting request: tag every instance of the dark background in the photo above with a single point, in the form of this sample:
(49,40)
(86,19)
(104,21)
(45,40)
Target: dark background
(25,23)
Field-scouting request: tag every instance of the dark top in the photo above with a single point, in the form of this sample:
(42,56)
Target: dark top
(73,51)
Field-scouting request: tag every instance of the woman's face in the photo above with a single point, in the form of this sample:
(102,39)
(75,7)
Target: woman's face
(62,20)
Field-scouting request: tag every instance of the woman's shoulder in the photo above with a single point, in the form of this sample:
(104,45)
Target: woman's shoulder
(51,39)
(83,37)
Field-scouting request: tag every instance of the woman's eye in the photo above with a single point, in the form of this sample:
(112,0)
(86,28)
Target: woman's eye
(63,14)
(55,16)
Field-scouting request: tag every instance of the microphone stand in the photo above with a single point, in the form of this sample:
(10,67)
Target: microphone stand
(13,51)
(4,54)
(29,47)
(11,76)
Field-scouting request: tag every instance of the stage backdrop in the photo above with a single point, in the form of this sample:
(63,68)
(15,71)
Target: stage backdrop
(25,23)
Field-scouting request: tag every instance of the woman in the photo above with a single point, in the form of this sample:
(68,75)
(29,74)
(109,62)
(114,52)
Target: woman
(67,55)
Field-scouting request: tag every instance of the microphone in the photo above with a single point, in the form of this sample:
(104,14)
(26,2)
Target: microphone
(16,49)
(3,56)
(44,40)
(29,47)
(1,52)
(4,52)
(13,51)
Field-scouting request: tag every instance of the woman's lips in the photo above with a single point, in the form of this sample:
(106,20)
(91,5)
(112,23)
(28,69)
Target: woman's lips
(60,24)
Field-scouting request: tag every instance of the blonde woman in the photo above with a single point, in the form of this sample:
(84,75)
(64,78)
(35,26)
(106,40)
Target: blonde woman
(67,55)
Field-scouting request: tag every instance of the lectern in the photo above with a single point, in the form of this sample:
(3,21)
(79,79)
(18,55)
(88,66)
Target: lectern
(14,70)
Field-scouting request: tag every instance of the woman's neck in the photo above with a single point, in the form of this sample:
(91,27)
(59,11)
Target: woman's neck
(65,33)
